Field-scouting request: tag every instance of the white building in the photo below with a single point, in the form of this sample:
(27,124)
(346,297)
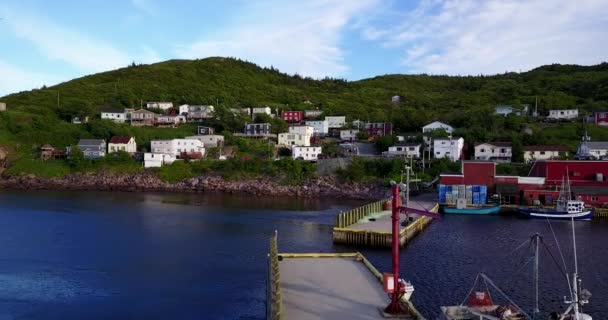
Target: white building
(122,143)
(312,113)
(404,150)
(395,99)
(348,135)
(321,127)
(495,151)
(2,106)
(335,121)
(209,140)
(436,125)
(563,114)
(114,115)
(246,111)
(450,148)
(160,105)
(306,153)
(155,160)
(306,130)
(293,139)
(164,120)
(532,153)
(176,147)
(265,110)
(598,148)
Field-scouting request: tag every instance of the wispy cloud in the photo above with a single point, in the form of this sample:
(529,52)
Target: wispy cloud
(472,37)
(15,79)
(297,37)
(146,6)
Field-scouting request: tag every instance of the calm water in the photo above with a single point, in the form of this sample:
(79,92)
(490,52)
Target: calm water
(158,256)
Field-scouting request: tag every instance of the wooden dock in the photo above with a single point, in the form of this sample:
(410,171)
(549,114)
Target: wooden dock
(325,286)
(370,225)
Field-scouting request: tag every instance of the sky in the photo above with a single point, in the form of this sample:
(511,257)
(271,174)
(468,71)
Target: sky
(47,42)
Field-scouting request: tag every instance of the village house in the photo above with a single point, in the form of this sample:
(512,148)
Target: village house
(48,152)
(305,130)
(115,115)
(437,125)
(169,121)
(601,118)
(143,117)
(494,151)
(320,127)
(159,105)
(293,139)
(203,131)
(311,114)
(157,160)
(292,116)
(450,148)
(92,148)
(2,106)
(306,153)
(80,119)
(379,129)
(122,143)
(404,149)
(196,112)
(257,129)
(562,115)
(261,110)
(335,121)
(597,149)
(396,99)
(179,148)
(505,110)
(209,140)
(237,111)
(348,135)
(533,153)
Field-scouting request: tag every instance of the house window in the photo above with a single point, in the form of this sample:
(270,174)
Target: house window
(542,153)
(594,198)
(482,150)
(503,150)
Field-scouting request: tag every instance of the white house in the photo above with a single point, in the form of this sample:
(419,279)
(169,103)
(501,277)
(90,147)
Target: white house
(450,148)
(306,153)
(532,153)
(209,140)
(335,121)
(265,110)
(176,147)
(563,114)
(154,160)
(171,121)
(306,130)
(395,99)
(293,139)
(246,111)
(494,151)
(2,106)
(312,113)
(122,143)
(114,115)
(597,149)
(160,105)
(505,110)
(321,127)
(404,149)
(435,125)
(348,135)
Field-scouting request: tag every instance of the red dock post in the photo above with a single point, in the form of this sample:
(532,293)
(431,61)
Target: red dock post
(395,308)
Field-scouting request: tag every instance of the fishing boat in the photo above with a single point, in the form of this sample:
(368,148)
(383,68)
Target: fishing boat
(566,207)
(473,210)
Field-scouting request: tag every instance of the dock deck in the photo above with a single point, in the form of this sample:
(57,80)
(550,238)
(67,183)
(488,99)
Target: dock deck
(371,225)
(326,286)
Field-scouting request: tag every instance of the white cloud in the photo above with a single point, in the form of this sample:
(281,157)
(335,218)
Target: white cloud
(146,6)
(297,37)
(494,36)
(15,79)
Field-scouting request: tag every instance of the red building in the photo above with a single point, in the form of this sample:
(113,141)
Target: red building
(379,129)
(473,173)
(580,173)
(292,116)
(601,118)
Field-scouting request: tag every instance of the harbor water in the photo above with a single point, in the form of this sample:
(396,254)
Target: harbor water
(102,255)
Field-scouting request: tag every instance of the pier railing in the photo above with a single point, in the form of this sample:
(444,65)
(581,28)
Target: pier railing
(274,310)
(600,213)
(349,217)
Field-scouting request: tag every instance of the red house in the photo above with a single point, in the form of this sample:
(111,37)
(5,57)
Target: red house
(292,116)
(601,118)
(379,129)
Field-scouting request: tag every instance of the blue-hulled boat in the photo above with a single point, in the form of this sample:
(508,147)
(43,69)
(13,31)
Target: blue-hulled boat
(473,210)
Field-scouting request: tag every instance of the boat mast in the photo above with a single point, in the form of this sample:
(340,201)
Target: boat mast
(536,239)
(575,276)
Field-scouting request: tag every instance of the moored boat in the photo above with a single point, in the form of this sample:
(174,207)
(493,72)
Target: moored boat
(473,210)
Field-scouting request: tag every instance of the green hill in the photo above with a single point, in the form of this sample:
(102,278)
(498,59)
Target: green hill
(42,115)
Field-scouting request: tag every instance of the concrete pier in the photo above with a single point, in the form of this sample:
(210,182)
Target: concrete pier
(326,286)
(371,225)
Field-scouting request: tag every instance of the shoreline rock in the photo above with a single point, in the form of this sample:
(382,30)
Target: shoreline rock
(318,187)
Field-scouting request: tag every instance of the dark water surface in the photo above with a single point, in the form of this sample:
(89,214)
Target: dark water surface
(74,255)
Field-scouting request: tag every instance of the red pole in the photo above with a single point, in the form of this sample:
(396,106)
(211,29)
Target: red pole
(394,307)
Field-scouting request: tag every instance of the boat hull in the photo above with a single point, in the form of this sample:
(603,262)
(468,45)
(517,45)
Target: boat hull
(473,211)
(555,215)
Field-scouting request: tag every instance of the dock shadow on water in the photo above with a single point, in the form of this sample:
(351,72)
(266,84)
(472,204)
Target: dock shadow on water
(105,255)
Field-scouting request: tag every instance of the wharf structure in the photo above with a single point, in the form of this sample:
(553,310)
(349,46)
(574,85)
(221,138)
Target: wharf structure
(370,225)
(325,286)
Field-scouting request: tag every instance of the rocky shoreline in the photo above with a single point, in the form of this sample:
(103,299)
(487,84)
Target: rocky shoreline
(319,187)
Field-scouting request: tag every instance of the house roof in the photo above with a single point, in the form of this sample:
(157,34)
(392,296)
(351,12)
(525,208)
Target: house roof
(143,111)
(47,146)
(90,142)
(597,144)
(546,148)
(447,139)
(406,144)
(120,139)
(439,123)
(496,144)
(111,110)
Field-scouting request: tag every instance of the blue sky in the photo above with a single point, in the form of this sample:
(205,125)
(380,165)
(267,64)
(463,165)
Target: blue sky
(47,42)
